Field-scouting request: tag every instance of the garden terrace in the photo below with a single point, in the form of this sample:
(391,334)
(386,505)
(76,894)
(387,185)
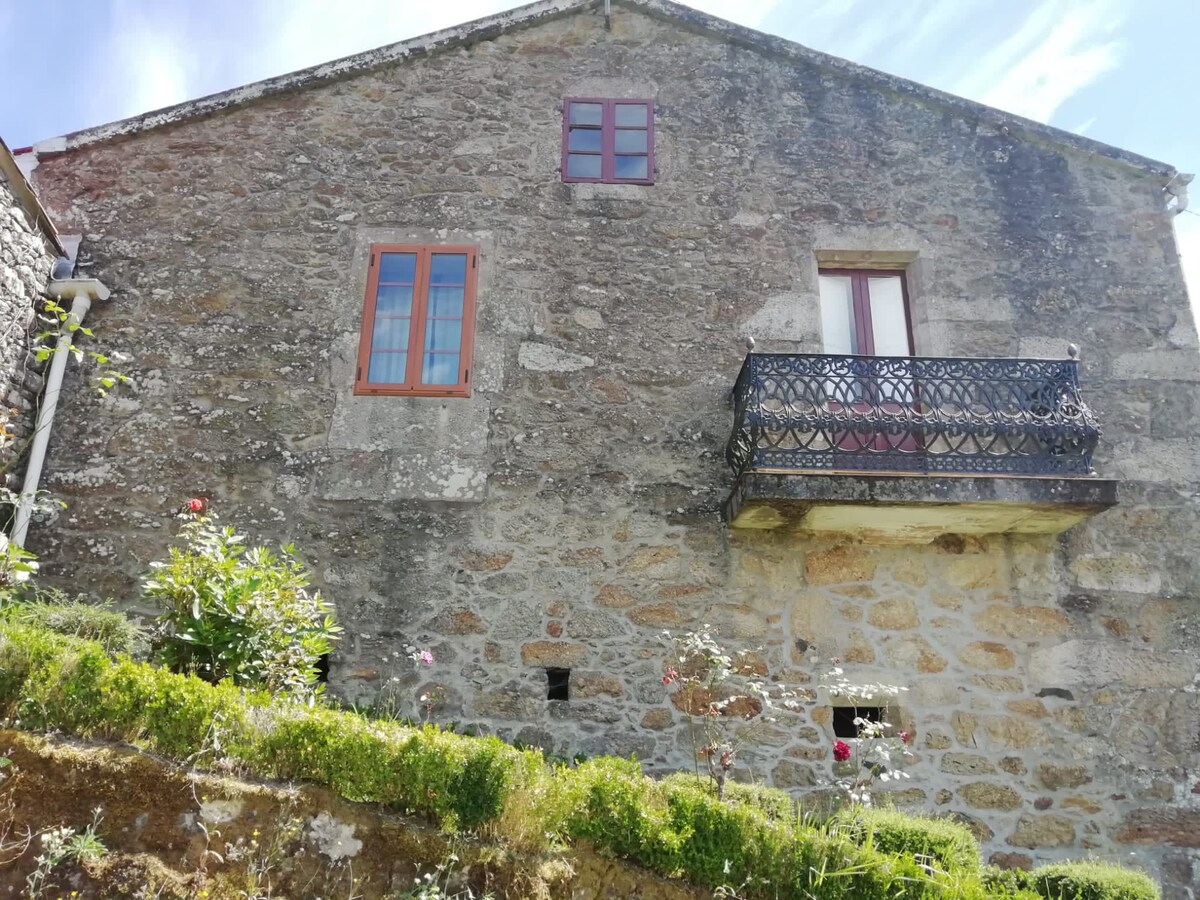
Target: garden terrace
(676,827)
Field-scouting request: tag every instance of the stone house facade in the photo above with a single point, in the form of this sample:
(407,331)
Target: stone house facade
(539,513)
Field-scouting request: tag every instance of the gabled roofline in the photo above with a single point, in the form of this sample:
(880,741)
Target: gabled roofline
(545,10)
(12,175)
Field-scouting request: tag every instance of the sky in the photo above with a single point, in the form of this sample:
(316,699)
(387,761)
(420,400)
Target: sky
(1114,70)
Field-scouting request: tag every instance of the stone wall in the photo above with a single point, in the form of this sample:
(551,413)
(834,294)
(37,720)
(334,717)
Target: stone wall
(568,512)
(26,255)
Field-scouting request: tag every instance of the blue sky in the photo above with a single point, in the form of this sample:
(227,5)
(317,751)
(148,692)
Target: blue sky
(1119,71)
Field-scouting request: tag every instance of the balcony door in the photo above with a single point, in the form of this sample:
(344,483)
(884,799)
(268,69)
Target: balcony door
(864,312)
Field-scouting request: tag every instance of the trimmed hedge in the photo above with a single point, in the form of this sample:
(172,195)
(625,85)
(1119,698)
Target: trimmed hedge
(754,840)
(949,845)
(1080,880)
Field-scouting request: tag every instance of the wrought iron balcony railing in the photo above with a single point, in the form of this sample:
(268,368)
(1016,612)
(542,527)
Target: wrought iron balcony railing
(920,415)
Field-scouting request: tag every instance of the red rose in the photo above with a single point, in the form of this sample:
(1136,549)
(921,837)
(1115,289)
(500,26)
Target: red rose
(906,737)
(196,505)
(841,751)
(671,676)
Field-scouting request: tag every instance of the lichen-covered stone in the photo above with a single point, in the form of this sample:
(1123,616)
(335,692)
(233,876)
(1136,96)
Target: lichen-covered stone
(1055,777)
(839,564)
(987,795)
(1039,832)
(987,655)
(966,764)
(894,615)
(554,654)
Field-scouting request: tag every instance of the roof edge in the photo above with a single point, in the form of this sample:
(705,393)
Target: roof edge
(478,29)
(921,92)
(13,176)
(542,10)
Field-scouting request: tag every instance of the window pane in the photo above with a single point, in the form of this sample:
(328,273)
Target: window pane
(579,166)
(387,368)
(394,300)
(440,368)
(631,141)
(837,314)
(390,334)
(448,268)
(443,334)
(632,167)
(446,302)
(395,267)
(585,113)
(889,327)
(584,139)
(631,113)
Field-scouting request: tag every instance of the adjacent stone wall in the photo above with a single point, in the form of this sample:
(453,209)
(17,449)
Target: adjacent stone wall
(567,513)
(26,256)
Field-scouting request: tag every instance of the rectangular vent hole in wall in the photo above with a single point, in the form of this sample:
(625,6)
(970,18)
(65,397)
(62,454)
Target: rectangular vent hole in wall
(558,684)
(323,668)
(844,716)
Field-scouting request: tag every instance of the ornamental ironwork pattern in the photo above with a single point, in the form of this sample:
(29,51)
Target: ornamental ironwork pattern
(923,415)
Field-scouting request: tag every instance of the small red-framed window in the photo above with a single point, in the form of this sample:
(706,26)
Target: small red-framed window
(418,321)
(608,141)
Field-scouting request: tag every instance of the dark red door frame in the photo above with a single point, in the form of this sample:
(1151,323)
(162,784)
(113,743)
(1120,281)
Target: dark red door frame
(864,332)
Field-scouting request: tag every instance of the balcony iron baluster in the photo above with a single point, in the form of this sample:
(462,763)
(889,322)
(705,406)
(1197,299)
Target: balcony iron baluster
(917,415)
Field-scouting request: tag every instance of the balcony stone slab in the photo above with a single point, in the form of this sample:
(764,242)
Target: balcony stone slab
(904,509)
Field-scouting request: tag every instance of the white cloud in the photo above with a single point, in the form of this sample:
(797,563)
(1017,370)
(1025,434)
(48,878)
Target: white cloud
(310,32)
(1061,48)
(751,13)
(146,65)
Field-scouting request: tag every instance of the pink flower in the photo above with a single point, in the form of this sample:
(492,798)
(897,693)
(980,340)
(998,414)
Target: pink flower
(196,505)
(841,751)
(906,737)
(426,657)
(671,675)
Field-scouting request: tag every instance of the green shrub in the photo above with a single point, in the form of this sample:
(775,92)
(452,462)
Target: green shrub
(949,844)
(57,612)
(1081,880)
(615,806)
(722,841)
(50,680)
(177,715)
(1091,880)
(776,804)
(246,615)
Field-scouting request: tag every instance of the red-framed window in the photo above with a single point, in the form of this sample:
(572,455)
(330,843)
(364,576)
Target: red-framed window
(418,321)
(865,312)
(608,141)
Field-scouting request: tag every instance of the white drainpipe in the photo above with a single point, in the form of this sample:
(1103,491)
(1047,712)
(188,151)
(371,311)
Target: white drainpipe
(80,292)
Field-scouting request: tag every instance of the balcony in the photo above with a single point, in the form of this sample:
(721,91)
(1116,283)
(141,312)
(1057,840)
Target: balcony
(902,449)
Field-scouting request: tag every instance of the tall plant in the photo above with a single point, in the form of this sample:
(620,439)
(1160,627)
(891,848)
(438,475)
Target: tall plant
(243,614)
(726,702)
